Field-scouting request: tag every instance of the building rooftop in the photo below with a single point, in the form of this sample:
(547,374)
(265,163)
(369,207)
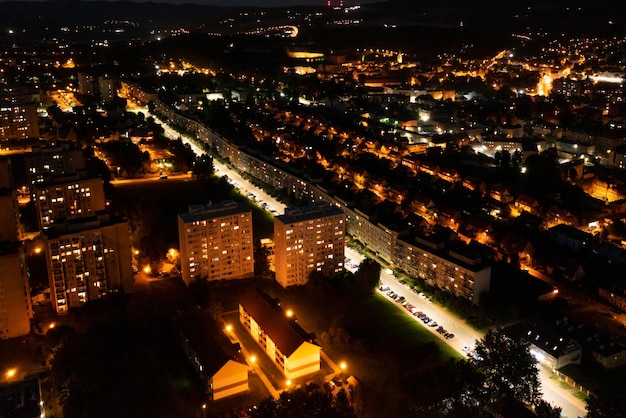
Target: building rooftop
(212,210)
(305,213)
(211,346)
(285,332)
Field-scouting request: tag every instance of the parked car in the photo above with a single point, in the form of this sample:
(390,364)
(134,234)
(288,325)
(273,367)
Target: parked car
(433,324)
(383,288)
(449,336)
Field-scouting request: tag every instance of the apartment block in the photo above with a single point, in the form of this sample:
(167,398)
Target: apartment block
(87,259)
(15,302)
(216,242)
(290,347)
(18,119)
(68,198)
(456,267)
(307,239)
(43,163)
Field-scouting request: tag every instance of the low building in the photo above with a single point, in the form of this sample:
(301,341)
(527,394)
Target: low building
(291,349)
(22,399)
(550,343)
(214,358)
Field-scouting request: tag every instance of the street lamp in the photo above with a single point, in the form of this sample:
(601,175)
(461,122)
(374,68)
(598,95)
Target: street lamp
(229,328)
(11,373)
(204,409)
(289,313)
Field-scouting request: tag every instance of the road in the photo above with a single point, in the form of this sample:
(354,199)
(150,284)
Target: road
(185,176)
(465,335)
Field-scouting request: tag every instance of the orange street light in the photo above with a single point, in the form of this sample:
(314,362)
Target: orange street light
(289,313)
(229,328)
(11,373)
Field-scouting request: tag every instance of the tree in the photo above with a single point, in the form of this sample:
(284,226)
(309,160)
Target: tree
(203,167)
(367,276)
(510,371)
(544,410)
(304,402)
(608,401)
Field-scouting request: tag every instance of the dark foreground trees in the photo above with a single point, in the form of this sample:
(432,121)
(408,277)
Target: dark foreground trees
(309,401)
(508,369)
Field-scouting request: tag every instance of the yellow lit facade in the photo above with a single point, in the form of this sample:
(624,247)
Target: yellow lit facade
(15,305)
(308,239)
(87,261)
(216,242)
(69,200)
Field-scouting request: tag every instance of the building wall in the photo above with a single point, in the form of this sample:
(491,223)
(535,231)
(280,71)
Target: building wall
(229,380)
(15,304)
(446,273)
(88,264)
(70,200)
(305,360)
(217,245)
(53,161)
(18,121)
(309,244)
(9,217)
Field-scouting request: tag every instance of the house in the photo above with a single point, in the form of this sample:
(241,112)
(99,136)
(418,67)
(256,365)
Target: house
(212,355)
(567,268)
(527,203)
(291,349)
(550,343)
(513,244)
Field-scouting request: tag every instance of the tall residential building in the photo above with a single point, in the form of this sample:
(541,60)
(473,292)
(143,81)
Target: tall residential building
(87,259)
(68,198)
(43,163)
(307,239)
(15,302)
(216,242)
(18,119)
(107,87)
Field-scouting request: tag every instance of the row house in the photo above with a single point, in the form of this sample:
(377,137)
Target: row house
(290,348)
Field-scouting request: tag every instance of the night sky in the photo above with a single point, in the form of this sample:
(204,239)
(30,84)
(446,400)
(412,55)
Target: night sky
(265,3)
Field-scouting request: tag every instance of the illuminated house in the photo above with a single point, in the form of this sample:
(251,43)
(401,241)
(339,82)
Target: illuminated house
(15,305)
(212,356)
(87,259)
(307,239)
(216,242)
(292,350)
(68,199)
